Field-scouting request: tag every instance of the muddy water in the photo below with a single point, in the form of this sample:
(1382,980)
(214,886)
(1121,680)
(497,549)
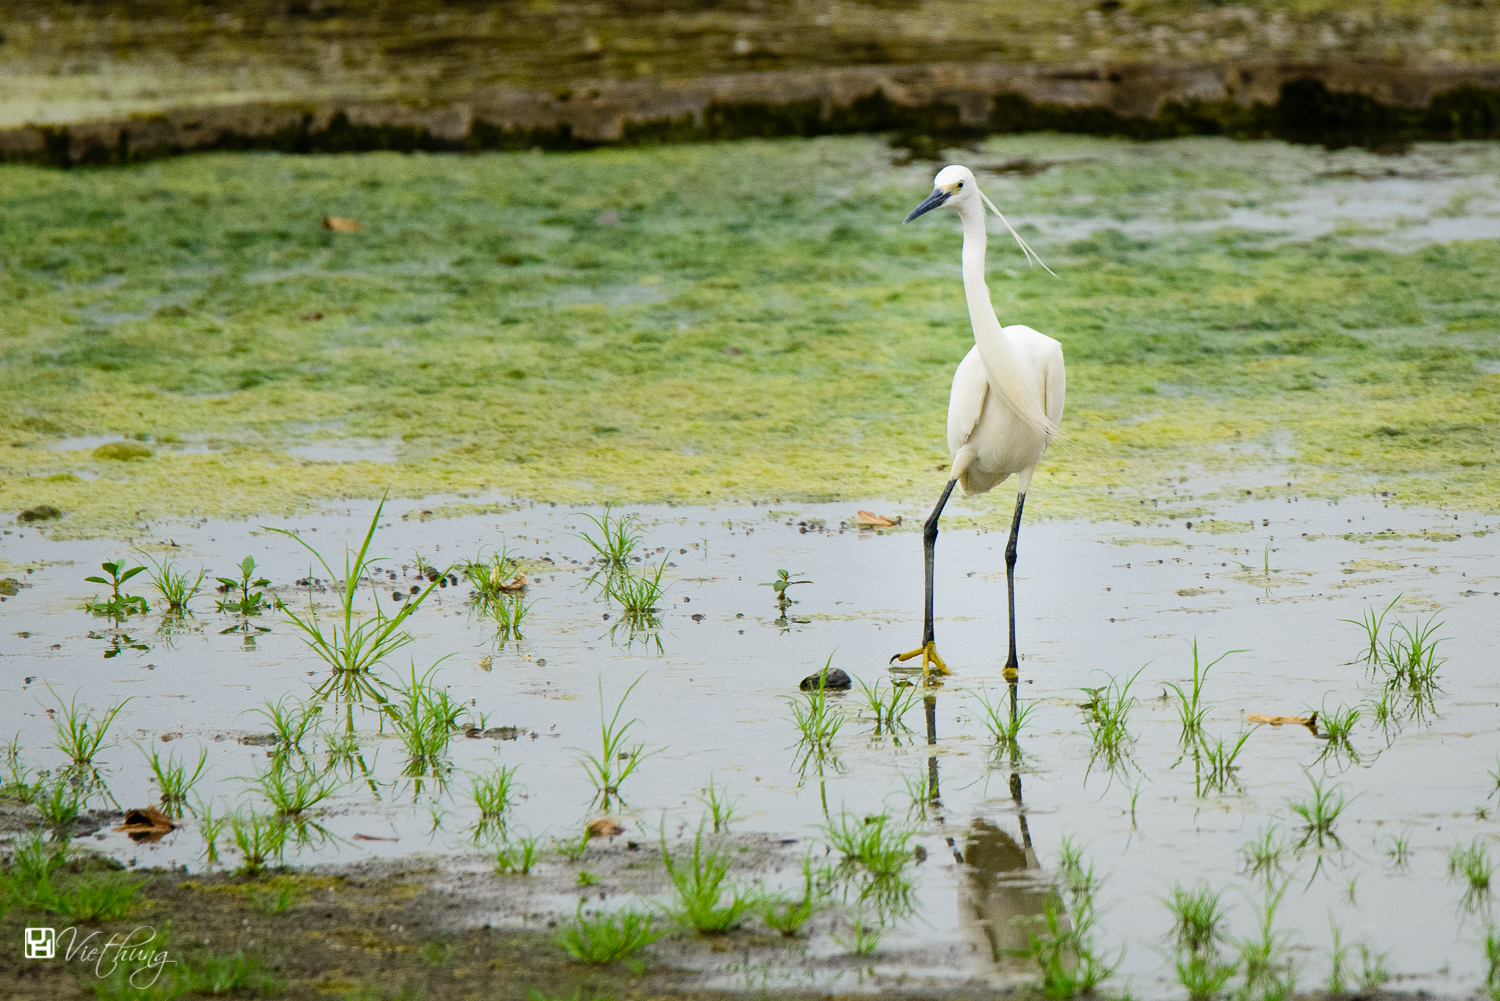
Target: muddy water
(1092,601)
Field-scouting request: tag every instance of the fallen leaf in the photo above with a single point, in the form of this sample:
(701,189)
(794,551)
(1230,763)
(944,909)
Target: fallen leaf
(1311,722)
(485,662)
(146,825)
(867,519)
(371,837)
(338,225)
(518,584)
(604,827)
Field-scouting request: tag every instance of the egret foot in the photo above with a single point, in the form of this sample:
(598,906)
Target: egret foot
(930,660)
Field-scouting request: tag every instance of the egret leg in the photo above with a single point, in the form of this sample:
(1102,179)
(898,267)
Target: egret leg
(1012,665)
(928,650)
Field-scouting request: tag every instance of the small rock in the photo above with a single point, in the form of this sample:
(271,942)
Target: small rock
(837,681)
(39,513)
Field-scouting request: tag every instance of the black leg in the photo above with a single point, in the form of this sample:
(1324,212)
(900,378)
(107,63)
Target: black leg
(929,553)
(1012,665)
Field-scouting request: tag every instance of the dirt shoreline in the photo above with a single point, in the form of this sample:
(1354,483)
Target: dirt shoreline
(1337,103)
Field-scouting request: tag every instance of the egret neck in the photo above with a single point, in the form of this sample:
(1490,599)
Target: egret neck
(1002,361)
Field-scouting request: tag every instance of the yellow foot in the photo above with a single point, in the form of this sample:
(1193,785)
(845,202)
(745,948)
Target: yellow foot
(931,662)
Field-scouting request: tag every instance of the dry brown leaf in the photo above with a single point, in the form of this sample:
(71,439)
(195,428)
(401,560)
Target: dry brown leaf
(868,519)
(518,584)
(604,827)
(338,225)
(1307,721)
(147,821)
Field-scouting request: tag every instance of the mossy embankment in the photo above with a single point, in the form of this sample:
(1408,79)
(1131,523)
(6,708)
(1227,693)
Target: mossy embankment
(711,323)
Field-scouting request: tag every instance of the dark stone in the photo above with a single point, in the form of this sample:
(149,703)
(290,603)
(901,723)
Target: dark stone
(837,681)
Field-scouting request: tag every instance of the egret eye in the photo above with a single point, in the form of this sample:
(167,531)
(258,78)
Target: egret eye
(960,184)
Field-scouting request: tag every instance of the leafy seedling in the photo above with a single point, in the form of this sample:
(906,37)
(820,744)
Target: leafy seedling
(118,604)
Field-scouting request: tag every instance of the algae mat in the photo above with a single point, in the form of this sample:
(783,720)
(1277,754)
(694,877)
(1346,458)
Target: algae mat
(736,322)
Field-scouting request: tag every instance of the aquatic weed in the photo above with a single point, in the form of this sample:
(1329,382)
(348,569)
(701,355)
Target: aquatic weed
(492,577)
(863,938)
(888,706)
(616,539)
(1191,707)
(1266,964)
(1263,855)
(493,794)
(1472,864)
(1320,813)
(173,584)
(1203,976)
(720,805)
(875,842)
(509,612)
(1066,950)
(1004,721)
(352,648)
(602,938)
(118,605)
(59,802)
(814,716)
(1372,624)
(18,786)
(238,974)
(704,902)
(1107,717)
(638,594)
(79,735)
(518,857)
(1398,849)
(172,778)
(615,761)
(290,719)
(1199,916)
(1372,969)
(260,838)
(294,791)
(1220,756)
(787,914)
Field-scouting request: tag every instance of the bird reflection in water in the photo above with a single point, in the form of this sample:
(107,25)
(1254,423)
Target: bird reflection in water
(1001,900)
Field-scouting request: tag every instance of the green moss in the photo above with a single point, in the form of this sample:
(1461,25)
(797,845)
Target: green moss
(117,451)
(758,325)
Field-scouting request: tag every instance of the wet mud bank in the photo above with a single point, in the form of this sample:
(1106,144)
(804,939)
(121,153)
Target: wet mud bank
(1377,104)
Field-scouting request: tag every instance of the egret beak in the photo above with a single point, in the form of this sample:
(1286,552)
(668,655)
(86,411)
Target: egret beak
(934,200)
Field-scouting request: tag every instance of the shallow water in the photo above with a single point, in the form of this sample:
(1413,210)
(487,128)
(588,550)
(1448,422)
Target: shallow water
(1092,600)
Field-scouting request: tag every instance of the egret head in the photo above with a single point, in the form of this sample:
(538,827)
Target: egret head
(954,185)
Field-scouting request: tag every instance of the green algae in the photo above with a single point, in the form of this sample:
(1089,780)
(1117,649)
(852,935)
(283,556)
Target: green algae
(706,324)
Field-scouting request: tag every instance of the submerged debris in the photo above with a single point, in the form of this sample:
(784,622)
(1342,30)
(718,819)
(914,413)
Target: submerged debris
(1311,722)
(868,519)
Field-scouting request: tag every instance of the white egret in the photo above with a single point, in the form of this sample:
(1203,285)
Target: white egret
(1006,404)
